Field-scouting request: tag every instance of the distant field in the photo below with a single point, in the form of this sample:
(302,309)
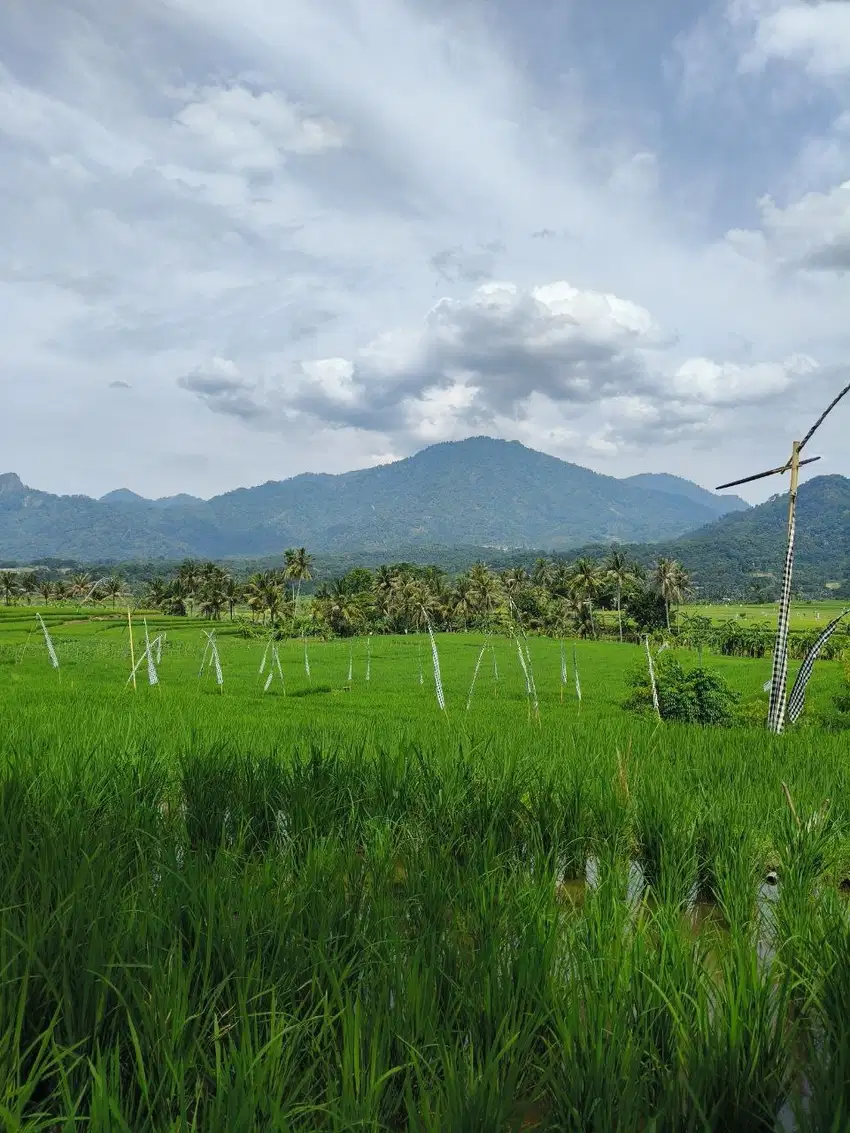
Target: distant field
(804,615)
(95,659)
(342,908)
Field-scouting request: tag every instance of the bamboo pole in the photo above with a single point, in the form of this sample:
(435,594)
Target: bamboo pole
(776,709)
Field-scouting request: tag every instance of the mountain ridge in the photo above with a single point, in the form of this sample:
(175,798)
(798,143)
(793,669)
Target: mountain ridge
(480,490)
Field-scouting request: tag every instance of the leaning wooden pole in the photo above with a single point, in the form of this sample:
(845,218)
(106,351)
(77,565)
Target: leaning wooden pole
(779,676)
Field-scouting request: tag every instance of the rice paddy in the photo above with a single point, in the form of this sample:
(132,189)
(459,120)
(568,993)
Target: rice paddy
(334,905)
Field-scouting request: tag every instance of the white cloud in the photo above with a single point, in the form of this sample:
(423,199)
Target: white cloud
(253,130)
(298,215)
(506,355)
(815,35)
(811,233)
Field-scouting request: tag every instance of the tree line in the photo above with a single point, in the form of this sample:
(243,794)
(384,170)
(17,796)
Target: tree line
(550,597)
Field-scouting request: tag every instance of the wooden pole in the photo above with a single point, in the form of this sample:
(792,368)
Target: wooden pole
(132,650)
(776,709)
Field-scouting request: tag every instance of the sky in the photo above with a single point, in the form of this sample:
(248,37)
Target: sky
(243,239)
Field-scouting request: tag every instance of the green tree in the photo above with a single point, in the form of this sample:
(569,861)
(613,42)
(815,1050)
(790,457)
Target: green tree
(157,593)
(80,584)
(232,594)
(29,585)
(297,570)
(9,586)
(585,584)
(618,571)
(672,582)
(113,587)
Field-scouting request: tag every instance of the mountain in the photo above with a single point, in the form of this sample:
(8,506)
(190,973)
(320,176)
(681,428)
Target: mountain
(480,491)
(686,489)
(125,496)
(752,543)
(741,555)
(10,484)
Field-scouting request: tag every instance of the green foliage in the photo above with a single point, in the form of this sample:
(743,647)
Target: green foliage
(688,696)
(645,607)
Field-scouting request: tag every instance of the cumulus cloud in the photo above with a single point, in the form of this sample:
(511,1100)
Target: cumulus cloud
(815,35)
(504,354)
(811,233)
(249,196)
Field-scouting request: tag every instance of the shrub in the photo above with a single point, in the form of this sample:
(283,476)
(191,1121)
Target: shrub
(695,696)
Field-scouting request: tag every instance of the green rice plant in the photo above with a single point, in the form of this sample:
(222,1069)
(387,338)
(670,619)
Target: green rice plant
(666,843)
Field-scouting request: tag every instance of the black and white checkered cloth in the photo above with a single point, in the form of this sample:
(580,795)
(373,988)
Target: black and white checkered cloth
(776,711)
(797,699)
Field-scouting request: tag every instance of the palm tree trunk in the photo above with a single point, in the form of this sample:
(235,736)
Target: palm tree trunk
(667,613)
(619,614)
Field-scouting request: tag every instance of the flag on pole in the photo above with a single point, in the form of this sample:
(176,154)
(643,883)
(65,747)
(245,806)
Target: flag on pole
(575,672)
(438,680)
(48,641)
(655,702)
(797,699)
(779,675)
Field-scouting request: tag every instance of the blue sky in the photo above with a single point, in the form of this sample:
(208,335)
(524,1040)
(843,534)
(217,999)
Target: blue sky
(241,239)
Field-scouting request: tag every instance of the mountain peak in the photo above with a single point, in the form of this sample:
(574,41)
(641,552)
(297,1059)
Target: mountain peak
(10,482)
(122,496)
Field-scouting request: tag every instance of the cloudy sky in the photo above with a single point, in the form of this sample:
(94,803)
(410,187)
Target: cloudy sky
(241,239)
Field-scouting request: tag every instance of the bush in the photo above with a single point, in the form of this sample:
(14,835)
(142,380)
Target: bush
(695,696)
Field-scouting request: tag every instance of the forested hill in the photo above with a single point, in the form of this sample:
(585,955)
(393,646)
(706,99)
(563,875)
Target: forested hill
(491,493)
(742,555)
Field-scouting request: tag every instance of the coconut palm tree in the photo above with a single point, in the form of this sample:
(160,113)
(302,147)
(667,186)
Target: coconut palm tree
(618,570)
(672,582)
(542,573)
(486,590)
(585,584)
(464,601)
(113,587)
(29,585)
(297,570)
(343,611)
(212,596)
(157,593)
(45,589)
(382,588)
(514,580)
(80,584)
(9,586)
(189,578)
(232,594)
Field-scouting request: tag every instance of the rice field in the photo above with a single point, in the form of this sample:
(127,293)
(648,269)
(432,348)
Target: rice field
(333,906)
(804,615)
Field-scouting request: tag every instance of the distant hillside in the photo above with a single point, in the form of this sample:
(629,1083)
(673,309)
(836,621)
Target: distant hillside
(741,555)
(677,486)
(485,492)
